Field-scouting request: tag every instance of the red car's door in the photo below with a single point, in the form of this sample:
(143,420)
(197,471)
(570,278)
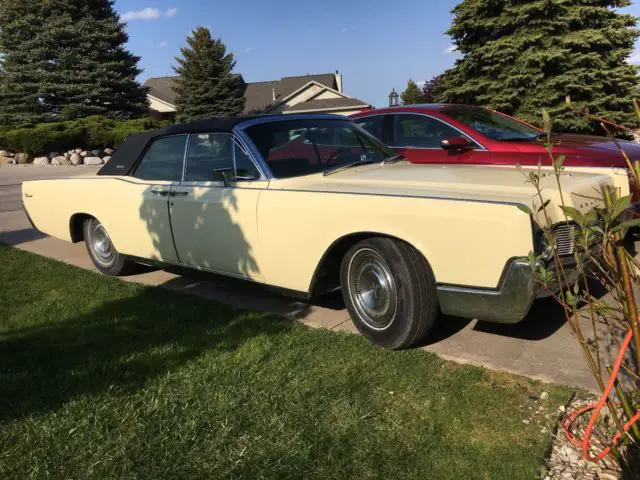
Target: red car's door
(418,137)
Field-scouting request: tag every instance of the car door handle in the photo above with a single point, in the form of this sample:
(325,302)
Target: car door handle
(179,194)
(163,193)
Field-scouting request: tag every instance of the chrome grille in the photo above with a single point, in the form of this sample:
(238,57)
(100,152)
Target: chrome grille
(566,236)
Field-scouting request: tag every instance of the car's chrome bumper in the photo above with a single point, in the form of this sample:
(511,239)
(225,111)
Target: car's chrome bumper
(509,303)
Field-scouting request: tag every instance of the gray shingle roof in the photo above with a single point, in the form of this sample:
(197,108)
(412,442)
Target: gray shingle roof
(258,95)
(326,103)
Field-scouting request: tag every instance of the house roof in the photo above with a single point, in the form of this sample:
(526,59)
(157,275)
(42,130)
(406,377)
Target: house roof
(325,104)
(259,95)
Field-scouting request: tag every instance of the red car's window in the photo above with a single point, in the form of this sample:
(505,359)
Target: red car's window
(420,131)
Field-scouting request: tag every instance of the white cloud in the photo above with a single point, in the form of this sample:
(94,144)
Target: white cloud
(421,83)
(635,58)
(163,43)
(247,50)
(451,49)
(148,14)
(344,30)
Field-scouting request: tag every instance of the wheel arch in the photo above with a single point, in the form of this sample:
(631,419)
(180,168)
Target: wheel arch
(76,222)
(326,276)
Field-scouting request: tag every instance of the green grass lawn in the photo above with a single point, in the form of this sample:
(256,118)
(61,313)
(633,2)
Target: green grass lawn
(104,379)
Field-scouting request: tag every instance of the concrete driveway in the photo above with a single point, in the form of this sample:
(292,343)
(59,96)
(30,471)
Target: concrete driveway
(541,347)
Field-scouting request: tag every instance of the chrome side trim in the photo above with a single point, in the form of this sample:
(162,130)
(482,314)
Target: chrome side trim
(252,151)
(509,303)
(481,149)
(187,147)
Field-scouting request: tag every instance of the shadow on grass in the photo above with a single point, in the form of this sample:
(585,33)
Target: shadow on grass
(121,345)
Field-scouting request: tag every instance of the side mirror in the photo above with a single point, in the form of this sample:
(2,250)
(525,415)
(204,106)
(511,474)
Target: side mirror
(228,177)
(457,144)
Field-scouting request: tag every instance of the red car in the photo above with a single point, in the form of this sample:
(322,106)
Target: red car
(475,135)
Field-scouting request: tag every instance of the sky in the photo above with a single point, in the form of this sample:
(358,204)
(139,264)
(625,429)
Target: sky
(377,45)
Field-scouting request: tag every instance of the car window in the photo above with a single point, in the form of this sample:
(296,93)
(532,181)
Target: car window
(303,147)
(493,124)
(210,153)
(420,131)
(163,160)
(373,125)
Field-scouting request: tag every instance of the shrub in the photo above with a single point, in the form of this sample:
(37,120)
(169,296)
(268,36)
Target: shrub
(90,132)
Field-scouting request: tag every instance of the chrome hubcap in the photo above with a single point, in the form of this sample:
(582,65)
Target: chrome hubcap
(372,289)
(101,244)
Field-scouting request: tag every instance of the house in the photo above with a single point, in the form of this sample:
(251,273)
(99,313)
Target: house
(320,93)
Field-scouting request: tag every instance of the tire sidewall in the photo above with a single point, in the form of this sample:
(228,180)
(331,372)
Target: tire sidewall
(117,265)
(399,333)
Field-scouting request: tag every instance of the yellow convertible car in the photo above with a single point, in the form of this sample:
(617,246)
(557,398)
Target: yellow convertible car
(312,203)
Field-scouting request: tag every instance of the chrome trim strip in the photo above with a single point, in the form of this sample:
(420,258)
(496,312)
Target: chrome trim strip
(187,147)
(427,197)
(507,304)
(252,152)
(482,147)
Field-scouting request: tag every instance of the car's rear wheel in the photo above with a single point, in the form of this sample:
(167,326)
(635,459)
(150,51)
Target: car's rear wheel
(102,251)
(390,292)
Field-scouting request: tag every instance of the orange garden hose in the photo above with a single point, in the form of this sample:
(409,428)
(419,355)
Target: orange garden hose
(585,443)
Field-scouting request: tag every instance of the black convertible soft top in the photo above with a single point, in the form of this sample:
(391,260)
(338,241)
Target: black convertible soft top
(125,158)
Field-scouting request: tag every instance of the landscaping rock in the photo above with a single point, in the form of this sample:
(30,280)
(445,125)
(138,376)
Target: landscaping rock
(5,160)
(78,150)
(97,153)
(41,161)
(93,161)
(52,155)
(85,153)
(60,160)
(106,159)
(109,151)
(6,153)
(22,158)
(544,396)
(75,158)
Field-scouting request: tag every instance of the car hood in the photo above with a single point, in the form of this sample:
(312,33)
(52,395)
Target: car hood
(476,183)
(601,150)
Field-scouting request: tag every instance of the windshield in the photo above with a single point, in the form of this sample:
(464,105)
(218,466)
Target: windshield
(302,147)
(492,124)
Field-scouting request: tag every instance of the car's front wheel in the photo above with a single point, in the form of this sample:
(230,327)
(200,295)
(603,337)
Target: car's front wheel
(102,251)
(390,292)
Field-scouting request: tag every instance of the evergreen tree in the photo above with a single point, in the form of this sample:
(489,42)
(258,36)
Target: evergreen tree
(412,94)
(431,90)
(66,59)
(520,56)
(206,86)
(22,62)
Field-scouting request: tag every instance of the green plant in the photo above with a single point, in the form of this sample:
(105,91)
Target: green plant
(91,132)
(601,259)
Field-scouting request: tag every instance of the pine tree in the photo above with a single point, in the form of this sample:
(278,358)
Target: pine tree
(431,90)
(22,62)
(207,87)
(412,94)
(520,56)
(66,59)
